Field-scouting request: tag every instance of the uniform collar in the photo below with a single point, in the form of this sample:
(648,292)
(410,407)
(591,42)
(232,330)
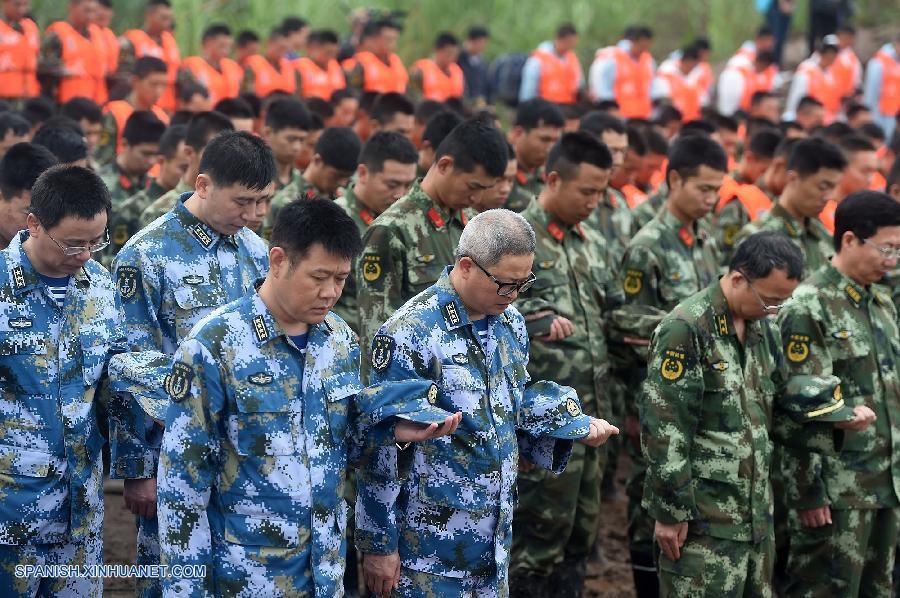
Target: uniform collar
(687,235)
(202,233)
(525,179)
(722,319)
(437,216)
(855,293)
(556,229)
(794,228)
(22,275)
(452,309)
(264,326)
(295,177)
(355,206)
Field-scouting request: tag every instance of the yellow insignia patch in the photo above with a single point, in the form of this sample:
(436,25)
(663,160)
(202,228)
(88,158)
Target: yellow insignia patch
(854,294)
(432,394)
(842,334)
(572,407)
(722,323)
(633,281)
(838,396)
(426,259)
(672,368)
(259,329)
(730,234)
(797,349)
(371,268)
(676,277)
(178,384)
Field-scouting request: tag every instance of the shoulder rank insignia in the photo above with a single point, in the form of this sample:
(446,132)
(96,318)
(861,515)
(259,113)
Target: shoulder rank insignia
(797,349)
(192,279)
(20,323)
(672,368)
(634,281)
(382,351)
(722,323)
(371,267)
(853,294)
(127,281)
(260,331)
(572,407)
(842,335)
(178,383)
(261,378)
(436,219)
(201,235)
(18,278)
(720,366)
(451,314)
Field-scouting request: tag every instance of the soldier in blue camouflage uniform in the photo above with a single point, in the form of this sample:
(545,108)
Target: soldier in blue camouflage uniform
(442,511)
(715,396)
(58,316)
(845,509)
(263,420)
(537,126)
(172,274)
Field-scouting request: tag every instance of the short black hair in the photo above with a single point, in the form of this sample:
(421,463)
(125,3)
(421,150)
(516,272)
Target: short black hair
(667,113)
(597,122)
(789,125)
(339,95)
(566,30)
(477,32)
(688,154)
(287,113)
(690,52)
(764,143)
(384,146)
(14,122)
(238,158)
(203,126)
(835,131)
(729,123)
(574,149)
(855,108)
(439,126)
(872,132)
(893,177)
(812,155)
(854,143)
(234,108)
(444,39)
(759,97)
(59,120)
(428,108)
(143,126)
(339,148)
(246,37)
(319,107)
(656,143)
(189,89)
(387,105)
(66,143)
(475,143)
(808,102)
(215,30)
(20,167)
(636,141)
(38,109)
(606,105)
(700,127)
(701,43)
(537,112)
(765,31)
(147,65)
(63,191)
(863,213)
(765,58)
(171,139)
(293,24)
(754,125)
(762,252)
(79,109)
(786,147)
(302,223)
(322,37)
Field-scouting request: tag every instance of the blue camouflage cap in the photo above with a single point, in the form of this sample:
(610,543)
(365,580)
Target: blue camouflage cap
(414,400)
(553,410)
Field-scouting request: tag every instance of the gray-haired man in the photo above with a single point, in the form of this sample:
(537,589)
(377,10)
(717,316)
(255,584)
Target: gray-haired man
(436,519)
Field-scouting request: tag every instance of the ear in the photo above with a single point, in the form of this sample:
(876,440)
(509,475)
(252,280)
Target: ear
(553,180)
(445,165)
(277,260)
(362,173)
(465,265)
(674,180)
(203,186)
(33,225)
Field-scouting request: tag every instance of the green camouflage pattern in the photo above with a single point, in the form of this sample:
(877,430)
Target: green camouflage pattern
(812,238)
(615,223)
(525,188)
(298,187)
(642,214)
(163,204)
(347,306)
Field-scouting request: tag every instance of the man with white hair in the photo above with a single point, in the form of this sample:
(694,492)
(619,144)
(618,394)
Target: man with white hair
(435,518)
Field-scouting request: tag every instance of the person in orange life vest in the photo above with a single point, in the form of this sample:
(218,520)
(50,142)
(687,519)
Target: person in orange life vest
(377,68)
(765,105)
(392,112)
(155,39)
(320,74)
(439,78)
(239,111)
(623,179)
(272,72)
(553,71)
(140,150)
(740,200)
(213,69)
(19,169)
(246,45)
(847,69)
(537,127)
(810,114)
(813,78)
(192,97)
(103,19)
(744,75)
(436,130)
(653,165)
(148,83)
(673,83)
(625,73)
(858,115)
(882,86)
(346,108)
(774,179)
(72,60)
(297,32)
(13,129)
(727,135)
(287,126)
(862,166)
(20,41)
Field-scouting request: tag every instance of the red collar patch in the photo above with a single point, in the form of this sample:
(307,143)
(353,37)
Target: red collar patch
(557,232)
(436,219)
(686,237)
(366,216)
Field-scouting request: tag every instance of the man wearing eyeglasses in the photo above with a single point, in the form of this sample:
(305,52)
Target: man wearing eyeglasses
(555,525)
(57,329)
(435,519)
(845,509)
(717,393)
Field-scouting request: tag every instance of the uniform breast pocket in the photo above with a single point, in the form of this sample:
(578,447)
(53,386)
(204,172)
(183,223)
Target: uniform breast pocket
(550,284)
(339,392)
(23,363)
(94,350)
(854,363)
(264,425)
(463,389)
(193,302)
(721,409)
(422,275)
(516,379)
(677,285)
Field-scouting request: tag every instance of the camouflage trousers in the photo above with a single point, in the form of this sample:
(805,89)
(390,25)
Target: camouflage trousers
(718,568)
(640,526)
(854,556)
(418,584)
(556,518)
(81,554)
(148,554)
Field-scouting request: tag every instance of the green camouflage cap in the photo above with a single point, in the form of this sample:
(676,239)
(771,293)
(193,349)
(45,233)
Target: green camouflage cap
(816,398)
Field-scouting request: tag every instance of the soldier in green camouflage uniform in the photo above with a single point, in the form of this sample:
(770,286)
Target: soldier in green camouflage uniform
(407,247)
(537,126)
(556,520)
(387,167)
(714,393)
(200,130)
(645,212)
(845,509)
(670,259)
(892,279)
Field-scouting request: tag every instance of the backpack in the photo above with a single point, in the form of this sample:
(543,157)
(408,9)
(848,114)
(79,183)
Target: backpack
(506,78)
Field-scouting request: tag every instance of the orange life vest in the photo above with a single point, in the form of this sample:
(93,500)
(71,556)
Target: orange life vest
(754,82)
(379,77)
(879,183)
(438,85)
(168,52)
(122,110)
(755,201)
(559,76)
(685,94)
(704,78)
(85,60)
(633,196)
(890,83)
(221,84)
(18,60)
(110,48)
(821,86)
(316,82)
(844,72)
(659,177)
(268,78)
(632,86)
(827,215)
